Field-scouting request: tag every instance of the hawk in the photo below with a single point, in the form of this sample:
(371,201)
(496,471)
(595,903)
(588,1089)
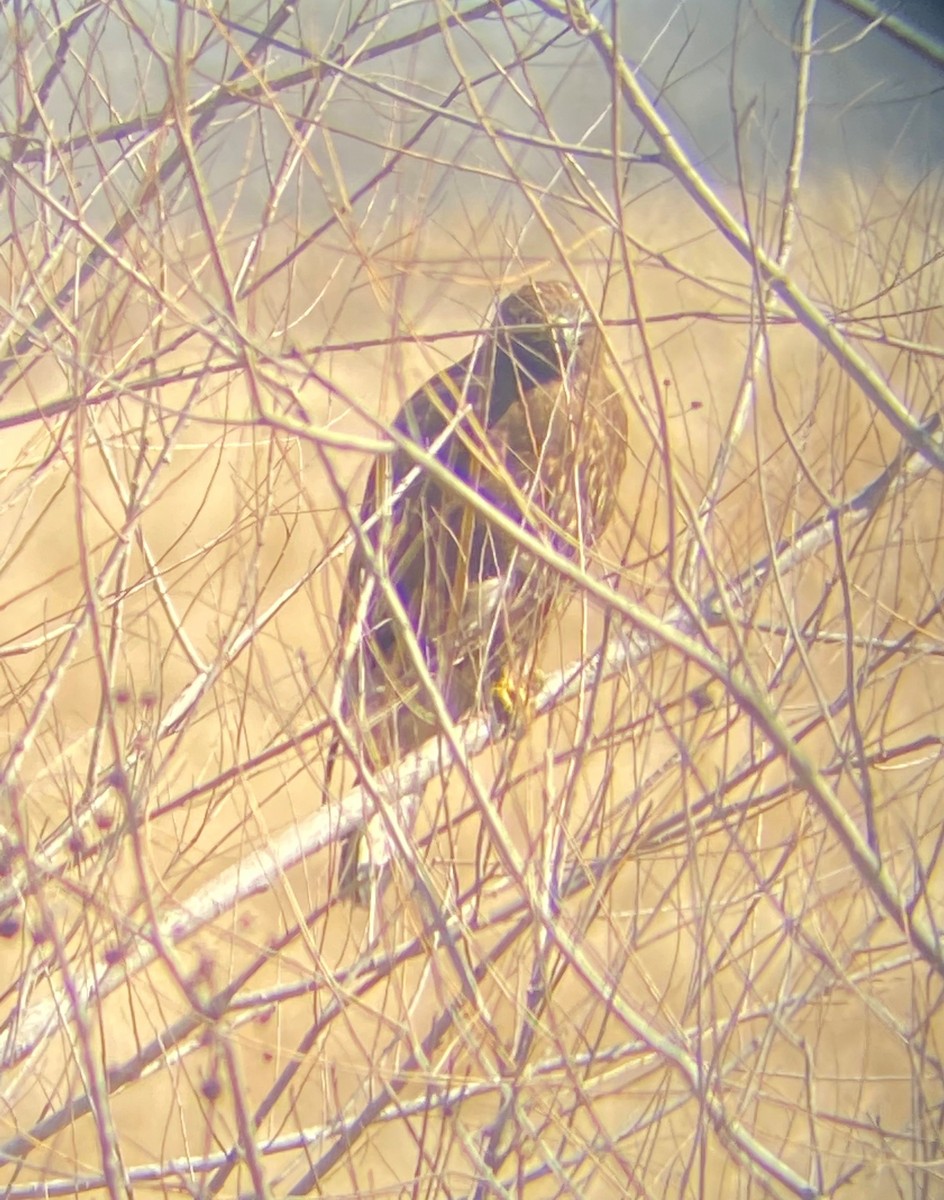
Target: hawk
(533,424)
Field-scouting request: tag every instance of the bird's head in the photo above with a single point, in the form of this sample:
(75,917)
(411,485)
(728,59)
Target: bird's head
(541,327)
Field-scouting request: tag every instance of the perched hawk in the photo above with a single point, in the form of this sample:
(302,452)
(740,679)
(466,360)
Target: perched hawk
(534,425)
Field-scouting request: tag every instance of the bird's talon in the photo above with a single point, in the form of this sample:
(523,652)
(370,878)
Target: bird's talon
(513,700)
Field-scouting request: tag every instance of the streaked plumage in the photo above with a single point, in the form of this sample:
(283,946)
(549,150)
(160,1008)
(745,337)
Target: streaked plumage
(533,423)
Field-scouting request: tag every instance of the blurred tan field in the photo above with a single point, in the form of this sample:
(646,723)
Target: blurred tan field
(677,935)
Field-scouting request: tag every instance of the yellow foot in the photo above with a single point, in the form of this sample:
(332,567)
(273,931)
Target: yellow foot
(514,699)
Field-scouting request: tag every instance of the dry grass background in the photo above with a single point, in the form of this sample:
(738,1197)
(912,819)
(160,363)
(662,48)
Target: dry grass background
(679,937)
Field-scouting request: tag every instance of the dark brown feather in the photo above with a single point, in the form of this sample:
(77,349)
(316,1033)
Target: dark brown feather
(533,423)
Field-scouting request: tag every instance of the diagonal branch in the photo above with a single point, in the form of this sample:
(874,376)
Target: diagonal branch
(648,635)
